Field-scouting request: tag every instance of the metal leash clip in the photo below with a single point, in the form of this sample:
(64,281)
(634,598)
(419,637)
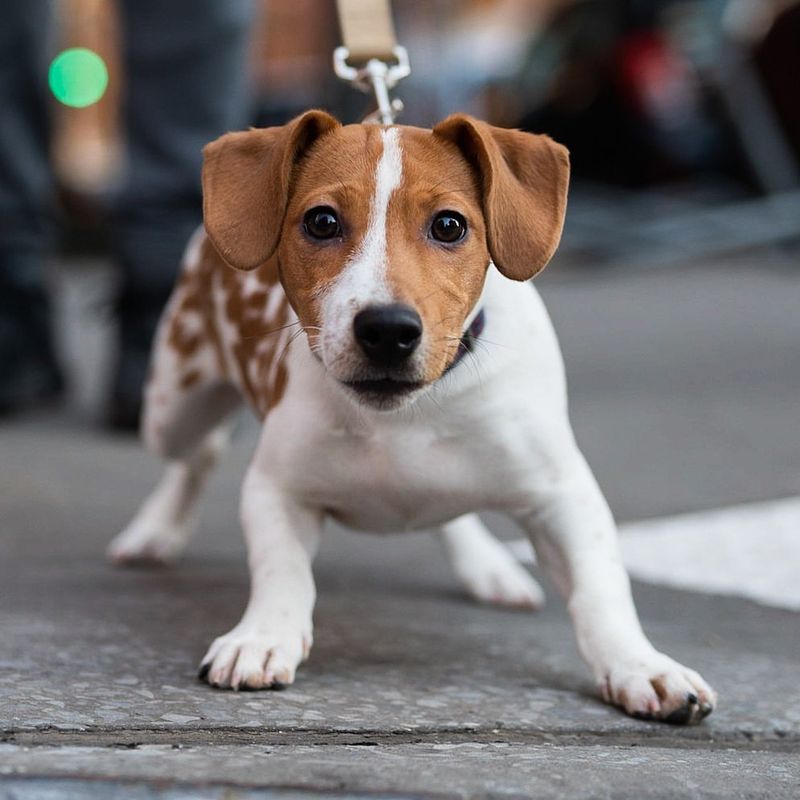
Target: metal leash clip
(376,77)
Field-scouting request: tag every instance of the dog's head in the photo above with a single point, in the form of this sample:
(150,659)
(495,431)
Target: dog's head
(383,235)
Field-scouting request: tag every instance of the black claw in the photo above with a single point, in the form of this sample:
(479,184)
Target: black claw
(278,687)
(705,710)
(691,698)
(202,673)
(681,716)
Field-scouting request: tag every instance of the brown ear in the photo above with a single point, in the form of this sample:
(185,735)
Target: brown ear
(246,178)
(524,180)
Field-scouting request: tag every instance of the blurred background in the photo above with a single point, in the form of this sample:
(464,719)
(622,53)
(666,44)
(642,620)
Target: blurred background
(682,116)
(675,291)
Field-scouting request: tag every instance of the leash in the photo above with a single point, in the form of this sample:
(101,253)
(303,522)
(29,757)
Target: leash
(372,62)
(370,59)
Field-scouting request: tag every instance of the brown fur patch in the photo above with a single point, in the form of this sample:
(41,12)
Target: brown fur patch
(189,379)
(242,313)
(524,180)
(443,282)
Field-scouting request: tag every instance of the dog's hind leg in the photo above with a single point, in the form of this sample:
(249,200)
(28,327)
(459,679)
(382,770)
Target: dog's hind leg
(187,403)
(486,568)
(161,529)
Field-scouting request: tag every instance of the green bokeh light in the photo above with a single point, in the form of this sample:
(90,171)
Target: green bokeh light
(78,77)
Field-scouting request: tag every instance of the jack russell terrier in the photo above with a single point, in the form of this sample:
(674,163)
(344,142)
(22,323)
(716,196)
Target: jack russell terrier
(376,322)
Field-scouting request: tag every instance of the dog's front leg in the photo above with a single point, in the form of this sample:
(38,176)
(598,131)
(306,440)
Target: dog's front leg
(275,633)
(575,538)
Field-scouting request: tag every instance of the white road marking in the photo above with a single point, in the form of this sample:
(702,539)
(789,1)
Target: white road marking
(750,551)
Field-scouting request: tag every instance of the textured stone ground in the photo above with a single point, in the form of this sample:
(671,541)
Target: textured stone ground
(412,690)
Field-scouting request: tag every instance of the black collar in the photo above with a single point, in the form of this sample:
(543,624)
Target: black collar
(467,343)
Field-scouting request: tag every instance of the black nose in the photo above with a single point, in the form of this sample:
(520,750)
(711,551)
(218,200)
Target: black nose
(388,334)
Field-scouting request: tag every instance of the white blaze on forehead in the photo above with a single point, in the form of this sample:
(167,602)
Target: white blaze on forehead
(362,282)
(363,279)
(387,178)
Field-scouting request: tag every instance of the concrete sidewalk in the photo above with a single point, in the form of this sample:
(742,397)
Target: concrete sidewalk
(412,690)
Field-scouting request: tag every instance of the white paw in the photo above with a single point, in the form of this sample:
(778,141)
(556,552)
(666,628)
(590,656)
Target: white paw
(498,579)
(246,658)
(657,687)
(148,543)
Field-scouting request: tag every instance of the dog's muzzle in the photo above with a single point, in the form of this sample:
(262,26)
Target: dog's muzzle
(388,336)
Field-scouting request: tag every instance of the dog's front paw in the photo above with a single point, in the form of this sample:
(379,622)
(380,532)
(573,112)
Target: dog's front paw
(249,658)
(657,687)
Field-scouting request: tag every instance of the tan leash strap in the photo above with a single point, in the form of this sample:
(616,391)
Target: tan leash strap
(370,59)
(367,30)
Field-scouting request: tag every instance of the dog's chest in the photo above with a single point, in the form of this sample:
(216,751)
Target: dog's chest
(396,479)
(473,445)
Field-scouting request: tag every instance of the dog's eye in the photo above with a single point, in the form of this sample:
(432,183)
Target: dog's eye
(448,227)
(321,223)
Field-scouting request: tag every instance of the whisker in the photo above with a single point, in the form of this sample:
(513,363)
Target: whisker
(434,399)
(286,346)
(482,340)
(271,332)
(475,364)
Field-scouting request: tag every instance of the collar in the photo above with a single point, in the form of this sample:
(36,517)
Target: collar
(467,343)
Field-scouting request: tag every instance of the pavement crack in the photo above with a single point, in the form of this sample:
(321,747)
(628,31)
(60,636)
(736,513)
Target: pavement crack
(687,738)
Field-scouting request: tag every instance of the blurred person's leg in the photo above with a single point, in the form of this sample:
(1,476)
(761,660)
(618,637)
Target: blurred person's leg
(186,83)
(28,370)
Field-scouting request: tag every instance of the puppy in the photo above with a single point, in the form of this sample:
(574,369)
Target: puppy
(370,264)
